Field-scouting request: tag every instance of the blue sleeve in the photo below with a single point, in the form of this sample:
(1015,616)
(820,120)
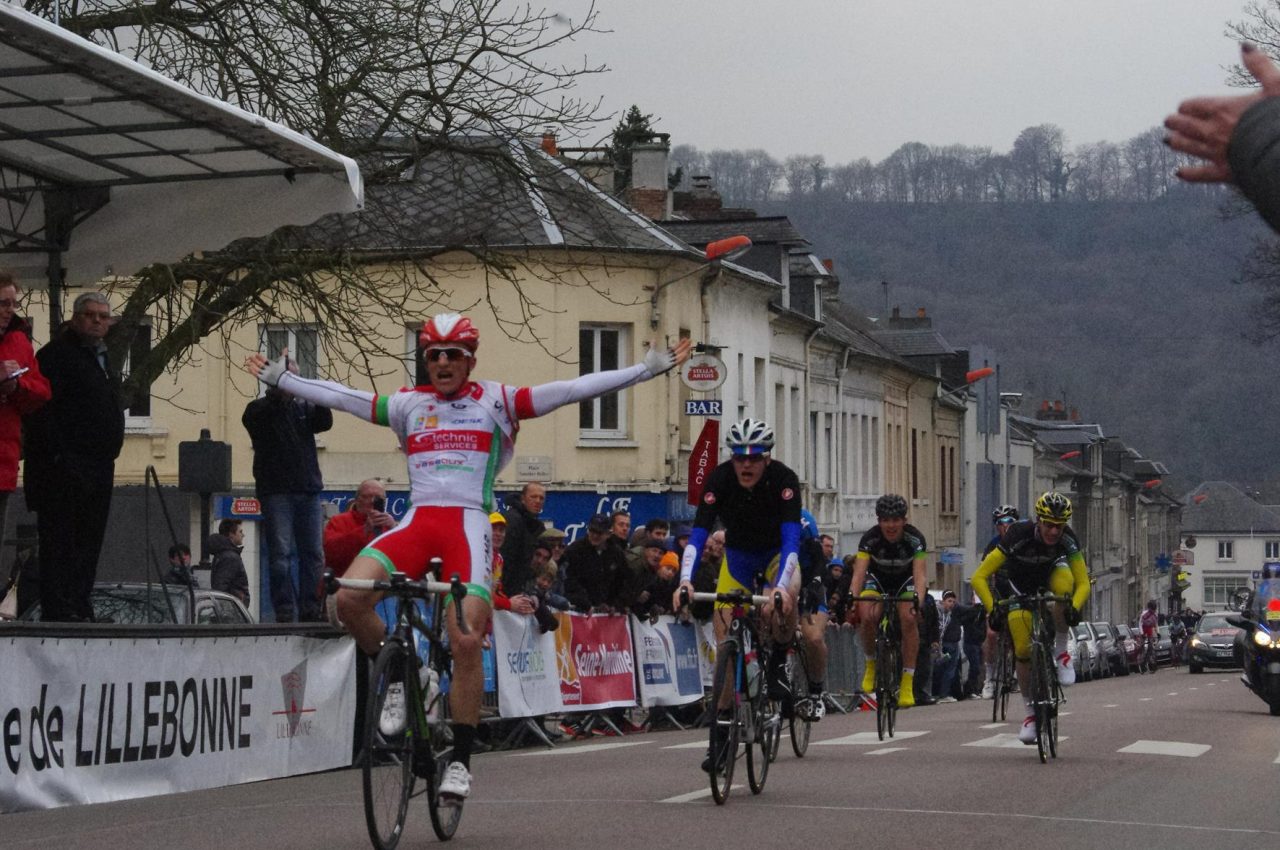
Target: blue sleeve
(697,541)
(790,548)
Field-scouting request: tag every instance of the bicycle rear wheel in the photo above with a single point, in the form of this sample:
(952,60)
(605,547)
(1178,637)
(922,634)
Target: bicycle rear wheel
(387,772)
(999,692)
(886,681)
(724,724)
(798,675)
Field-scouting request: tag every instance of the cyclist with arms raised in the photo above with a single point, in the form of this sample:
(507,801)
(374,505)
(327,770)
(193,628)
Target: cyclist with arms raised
(457,434)
(1039,555)
(757,499)
(890,562)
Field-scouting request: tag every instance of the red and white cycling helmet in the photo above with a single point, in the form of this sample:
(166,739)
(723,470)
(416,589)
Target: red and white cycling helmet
(449,330)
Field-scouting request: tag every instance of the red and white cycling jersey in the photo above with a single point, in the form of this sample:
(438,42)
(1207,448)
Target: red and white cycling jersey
(1149,621)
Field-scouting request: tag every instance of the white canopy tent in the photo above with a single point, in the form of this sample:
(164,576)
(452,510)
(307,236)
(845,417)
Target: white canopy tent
(106,166)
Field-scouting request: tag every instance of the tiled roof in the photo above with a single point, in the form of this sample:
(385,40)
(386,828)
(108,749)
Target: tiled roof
(771,230)
(849,327)
(1226,508)
(914,342)
(479,197)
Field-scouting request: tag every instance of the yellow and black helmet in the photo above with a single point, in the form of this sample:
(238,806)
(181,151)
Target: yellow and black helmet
(1053,507)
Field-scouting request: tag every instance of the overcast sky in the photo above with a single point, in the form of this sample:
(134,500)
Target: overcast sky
(854,78)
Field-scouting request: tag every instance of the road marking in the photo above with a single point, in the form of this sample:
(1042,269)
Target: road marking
(1145,699)
(691,746)
(1277,761)
(1166,748)
(1172,694)
(695,795)
(993,725)
(886,750)
(1063,713)
(1111,705)
(1005,741)
(866,738)
(589,748)
(1193,688)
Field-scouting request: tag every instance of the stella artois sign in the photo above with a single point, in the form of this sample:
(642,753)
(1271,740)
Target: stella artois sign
(703,372)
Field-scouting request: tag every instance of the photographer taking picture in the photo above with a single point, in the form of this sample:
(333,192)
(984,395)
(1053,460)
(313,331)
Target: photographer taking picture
(348,532)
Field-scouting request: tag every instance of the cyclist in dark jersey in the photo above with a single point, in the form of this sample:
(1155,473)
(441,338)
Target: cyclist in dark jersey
(1003,519)
(757,499)
(1039,555)
(891,562)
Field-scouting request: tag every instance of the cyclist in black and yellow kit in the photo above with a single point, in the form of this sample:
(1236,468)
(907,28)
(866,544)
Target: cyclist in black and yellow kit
(891,562)
(1039,555)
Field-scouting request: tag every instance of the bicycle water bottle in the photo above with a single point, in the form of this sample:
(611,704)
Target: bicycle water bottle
(753,674)
(431,688)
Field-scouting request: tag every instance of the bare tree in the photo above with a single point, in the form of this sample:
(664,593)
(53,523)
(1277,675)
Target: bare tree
(398,84)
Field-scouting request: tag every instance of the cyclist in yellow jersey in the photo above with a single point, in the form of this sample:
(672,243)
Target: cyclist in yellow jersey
(1039,555)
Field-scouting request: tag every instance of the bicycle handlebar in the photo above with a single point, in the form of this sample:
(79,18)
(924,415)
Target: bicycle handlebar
(736,597)
(1031,597)
(398,584)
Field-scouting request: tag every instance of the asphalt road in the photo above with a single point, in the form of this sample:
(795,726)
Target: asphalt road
(1170,760)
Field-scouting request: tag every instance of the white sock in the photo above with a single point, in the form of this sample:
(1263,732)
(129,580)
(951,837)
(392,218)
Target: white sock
(908,671)
(1059,643)
(991,671)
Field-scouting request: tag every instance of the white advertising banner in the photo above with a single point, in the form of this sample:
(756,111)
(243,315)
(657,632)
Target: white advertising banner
(667,654)
(528,680)
(707,652)
(88,721)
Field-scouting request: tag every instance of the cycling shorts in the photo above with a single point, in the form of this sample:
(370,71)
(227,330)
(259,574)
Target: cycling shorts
(1060,582)
(878,583)
(458,536)
(750,571)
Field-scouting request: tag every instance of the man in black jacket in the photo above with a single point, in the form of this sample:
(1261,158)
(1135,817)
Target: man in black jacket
(524,527)
(595,571)
(929,634)
(286,473)
(228,573)
(944,672)
(71,447)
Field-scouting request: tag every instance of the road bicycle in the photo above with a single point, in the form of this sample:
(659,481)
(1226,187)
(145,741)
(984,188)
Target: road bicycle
(1045,691)
(1148,663)
(742,711)
(392,764)
(888,658)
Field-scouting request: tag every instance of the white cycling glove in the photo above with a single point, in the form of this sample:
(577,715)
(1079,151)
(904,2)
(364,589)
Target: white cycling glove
(657,361)
(274,371)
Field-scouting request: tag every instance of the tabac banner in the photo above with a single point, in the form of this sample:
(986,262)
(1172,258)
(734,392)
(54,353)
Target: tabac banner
(88,721)
(667,656)
(528,679)
(595,662)
(703,459)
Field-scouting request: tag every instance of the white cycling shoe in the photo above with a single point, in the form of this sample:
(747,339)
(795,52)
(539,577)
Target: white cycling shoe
(456,785)
(1066,671)
(391,721)
(1027,734)
(989,690)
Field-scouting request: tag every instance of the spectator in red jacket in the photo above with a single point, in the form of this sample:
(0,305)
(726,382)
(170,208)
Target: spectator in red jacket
(20,395)
(348,532)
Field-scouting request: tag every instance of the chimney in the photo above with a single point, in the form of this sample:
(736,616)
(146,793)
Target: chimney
(549,143)
(829,265)
(920,314)
(897,313)
(648,193)
(702,201)
(1057,406)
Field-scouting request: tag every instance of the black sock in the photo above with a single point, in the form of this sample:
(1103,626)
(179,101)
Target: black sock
(816,688)
(463,736)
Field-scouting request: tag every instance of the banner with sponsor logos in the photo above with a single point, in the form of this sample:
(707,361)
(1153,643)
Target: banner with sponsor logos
(88,721)
(528,679)
(667,656)
(594,661)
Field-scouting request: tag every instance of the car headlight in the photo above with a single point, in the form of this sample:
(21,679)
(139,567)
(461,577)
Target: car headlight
(1197,643)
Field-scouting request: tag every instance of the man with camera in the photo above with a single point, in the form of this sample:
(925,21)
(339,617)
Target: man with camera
(348,532)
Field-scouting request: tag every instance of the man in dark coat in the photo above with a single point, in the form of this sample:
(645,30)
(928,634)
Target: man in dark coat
(595,571)
(286,473)
(71,448)
(227,567)
(524,527)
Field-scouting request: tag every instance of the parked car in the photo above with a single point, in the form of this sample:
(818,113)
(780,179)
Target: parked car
(1129,646)
(1090,664)
(1212,642)
(1110,656)
(1164,646)
(139,603)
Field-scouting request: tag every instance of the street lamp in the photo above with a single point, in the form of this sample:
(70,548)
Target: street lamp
(716,253)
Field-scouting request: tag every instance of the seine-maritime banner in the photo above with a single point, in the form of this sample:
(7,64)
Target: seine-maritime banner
(110,719)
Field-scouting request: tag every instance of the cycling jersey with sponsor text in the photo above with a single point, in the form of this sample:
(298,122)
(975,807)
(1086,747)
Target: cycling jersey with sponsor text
(892,557)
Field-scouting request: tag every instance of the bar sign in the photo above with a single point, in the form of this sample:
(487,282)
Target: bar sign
(703,407)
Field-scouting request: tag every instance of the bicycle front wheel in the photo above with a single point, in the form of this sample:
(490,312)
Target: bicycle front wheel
(1041,669)
(798,675)
(724,723)
(759,716)
(445,817)
(886,680)
(1000,689)
(387,771)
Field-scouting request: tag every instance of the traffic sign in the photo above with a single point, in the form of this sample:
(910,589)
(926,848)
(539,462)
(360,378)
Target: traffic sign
(703,407)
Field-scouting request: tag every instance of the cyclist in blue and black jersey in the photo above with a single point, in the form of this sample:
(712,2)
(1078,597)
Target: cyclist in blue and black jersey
(1003,519)
(757,499)
(891,562)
